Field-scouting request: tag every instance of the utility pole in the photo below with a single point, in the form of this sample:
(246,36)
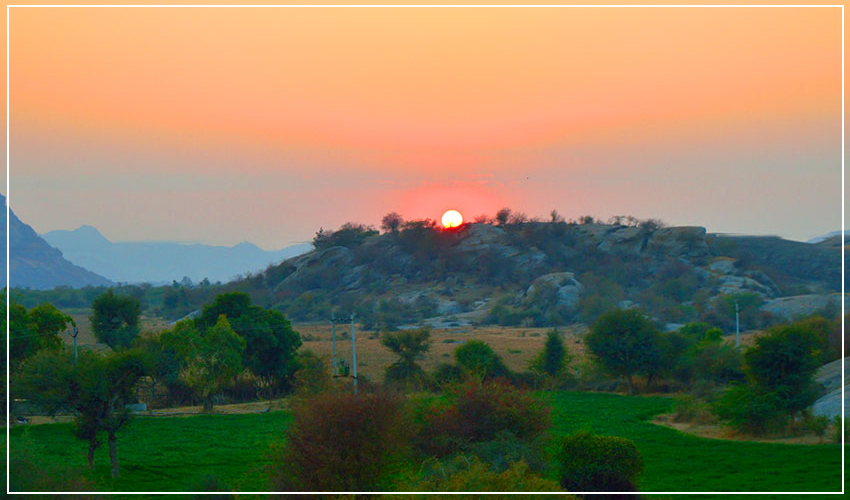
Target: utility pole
(353,355)
(74,334)
(333,340)
(737,327)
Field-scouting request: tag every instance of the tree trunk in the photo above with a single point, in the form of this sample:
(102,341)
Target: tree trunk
(650,378)
(208,404)
(93,444)
(113,453)
(630,385)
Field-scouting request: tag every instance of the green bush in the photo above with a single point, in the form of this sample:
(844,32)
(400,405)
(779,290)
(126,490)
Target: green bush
(749,409)
(479,360)
(599,463)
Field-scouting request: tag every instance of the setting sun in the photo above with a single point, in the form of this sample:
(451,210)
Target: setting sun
(452,218)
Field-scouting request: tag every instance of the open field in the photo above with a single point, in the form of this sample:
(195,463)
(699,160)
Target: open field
(174,453)
(516,345)
(85,337)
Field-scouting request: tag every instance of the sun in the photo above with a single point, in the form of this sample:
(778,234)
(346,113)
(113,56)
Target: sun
(452,218)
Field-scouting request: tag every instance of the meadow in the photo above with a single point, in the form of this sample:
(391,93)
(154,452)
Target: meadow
(177,453)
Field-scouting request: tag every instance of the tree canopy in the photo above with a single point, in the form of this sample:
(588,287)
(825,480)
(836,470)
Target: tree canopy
(115,319)
(625,343)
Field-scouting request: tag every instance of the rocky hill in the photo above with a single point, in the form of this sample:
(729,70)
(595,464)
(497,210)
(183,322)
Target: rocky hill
(33,263)
(542,273)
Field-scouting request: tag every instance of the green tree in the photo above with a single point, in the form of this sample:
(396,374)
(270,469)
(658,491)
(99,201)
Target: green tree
(479,359)
(97,387)
(625,343)
(408,345)
(115,319)
(554,358)
(215,359)
(270,341)
(784,362)
(33,330)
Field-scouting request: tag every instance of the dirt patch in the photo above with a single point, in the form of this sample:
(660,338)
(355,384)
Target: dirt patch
(720,431)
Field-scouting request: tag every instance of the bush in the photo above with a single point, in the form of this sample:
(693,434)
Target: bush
(479,360)
(599,463)
(506,449)
(447,374)
(465,473)
(341,442)
(749,409)
(479,412)
(691,409)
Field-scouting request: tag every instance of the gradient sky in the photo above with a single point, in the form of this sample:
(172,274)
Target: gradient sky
(225,125)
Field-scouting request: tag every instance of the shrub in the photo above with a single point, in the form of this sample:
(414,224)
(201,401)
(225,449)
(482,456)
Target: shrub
(750,409)
(464,473)
(599,463)
(341,442)
(447,374)
(313,375)
(691,409)
(479,412)
(479,360)
(506,449)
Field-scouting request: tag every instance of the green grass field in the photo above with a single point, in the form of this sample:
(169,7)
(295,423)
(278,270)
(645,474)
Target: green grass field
(175,453)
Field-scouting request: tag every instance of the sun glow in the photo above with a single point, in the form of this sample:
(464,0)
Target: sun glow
(452,218)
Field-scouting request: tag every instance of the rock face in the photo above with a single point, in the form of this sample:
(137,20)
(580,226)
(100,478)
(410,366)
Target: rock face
(830,377)
(567,289)
(33,263)
(483,238)
(685,241)
(790,308)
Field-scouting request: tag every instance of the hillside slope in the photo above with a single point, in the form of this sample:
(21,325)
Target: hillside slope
(35,264)
(163,262)
(543,274)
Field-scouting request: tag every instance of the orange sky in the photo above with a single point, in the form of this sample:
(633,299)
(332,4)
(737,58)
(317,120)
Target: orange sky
(222,125)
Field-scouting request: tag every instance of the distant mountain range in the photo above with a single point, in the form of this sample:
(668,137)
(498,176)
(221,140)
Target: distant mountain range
(35,264)
(163,262)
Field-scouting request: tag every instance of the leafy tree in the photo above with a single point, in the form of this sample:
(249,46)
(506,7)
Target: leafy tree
(97,387)
(33,330)
(115,320)
(503,216)
(392,222)
(216,358)
(408,345)
(48,322)
(780,367)
(479,359)
(270,341)
(625,343)
(784,361)
(554,358)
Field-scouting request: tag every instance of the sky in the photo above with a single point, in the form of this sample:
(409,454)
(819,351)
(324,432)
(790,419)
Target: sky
(227,125)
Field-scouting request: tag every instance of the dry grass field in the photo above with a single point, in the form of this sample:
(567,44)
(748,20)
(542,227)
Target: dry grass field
(516,345)
(86,338)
